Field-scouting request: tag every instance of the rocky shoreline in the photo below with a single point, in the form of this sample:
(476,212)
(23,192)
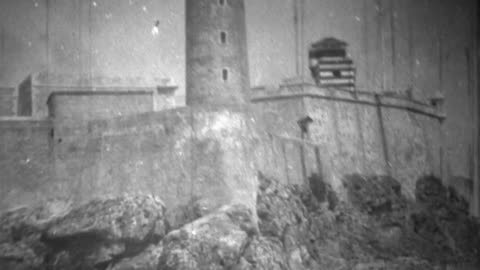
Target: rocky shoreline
(306,227)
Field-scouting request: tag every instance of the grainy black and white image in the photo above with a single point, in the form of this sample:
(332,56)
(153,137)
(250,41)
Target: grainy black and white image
(239,134)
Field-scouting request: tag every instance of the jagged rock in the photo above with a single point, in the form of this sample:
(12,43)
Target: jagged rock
(215,241)
(372,229)
(132,218)
(263,253)
(299,228)
(194,209)
(19,256)
(20,233)
(375,195)
(147,260)
(22,223)
(279,210)
(291,237)
(396,264)
(102,232)
(321,191)
(441,217)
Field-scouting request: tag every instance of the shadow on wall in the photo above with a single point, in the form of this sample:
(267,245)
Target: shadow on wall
(24,106)
(463,187)
(322,191)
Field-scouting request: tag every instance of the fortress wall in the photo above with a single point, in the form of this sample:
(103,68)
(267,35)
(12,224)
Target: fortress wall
(413,146)
(36,89)
(284,123)
(356,134)
(7,102)
(281,156)
(78,106)
(123,161)
(271,160)
(351,133)
(182,155)
(335,127)
(164,98)
(25,160)
(292,161)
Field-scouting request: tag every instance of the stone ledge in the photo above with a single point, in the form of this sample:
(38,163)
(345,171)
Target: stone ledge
(99,93)
(26,122)
(362,98)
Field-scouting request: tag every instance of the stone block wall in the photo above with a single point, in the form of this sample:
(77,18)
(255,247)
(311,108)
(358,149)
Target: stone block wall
(290,160)
(354,133)
(210,156)
(25,161)
(36,89)
(7,102)
(81,106)
(413,146)
(185,155)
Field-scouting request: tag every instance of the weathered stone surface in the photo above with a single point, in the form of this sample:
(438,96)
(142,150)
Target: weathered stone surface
(14,223)
(294,222)
(192,210)
(20,233)
(123,218)
(299,228)
(374,195)
(215,241)
(22,255)
(442,218)
(279,210)
(373,229)
(93,236)
(147,260)
(263,253)
(104,231)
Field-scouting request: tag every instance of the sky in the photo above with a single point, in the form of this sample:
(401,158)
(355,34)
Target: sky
(114,38)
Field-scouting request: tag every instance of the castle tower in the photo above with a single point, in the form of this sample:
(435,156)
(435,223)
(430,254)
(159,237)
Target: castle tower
(216,53)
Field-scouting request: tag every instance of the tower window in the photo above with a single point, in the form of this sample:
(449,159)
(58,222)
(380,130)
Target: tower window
(221,2)
(223,37)
(225,74)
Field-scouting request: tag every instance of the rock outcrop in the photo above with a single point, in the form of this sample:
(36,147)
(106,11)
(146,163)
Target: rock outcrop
(375,228)
(93,236)
(299,228)
(215,241)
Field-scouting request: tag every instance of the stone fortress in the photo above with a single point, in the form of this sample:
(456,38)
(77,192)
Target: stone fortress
(82,143)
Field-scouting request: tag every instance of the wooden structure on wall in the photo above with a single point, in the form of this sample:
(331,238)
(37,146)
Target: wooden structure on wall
(330,65)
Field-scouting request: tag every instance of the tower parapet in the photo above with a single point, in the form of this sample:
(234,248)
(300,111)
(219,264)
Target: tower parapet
(216,53)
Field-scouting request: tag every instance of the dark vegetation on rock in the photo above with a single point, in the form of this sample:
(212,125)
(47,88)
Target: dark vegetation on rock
(299,227)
